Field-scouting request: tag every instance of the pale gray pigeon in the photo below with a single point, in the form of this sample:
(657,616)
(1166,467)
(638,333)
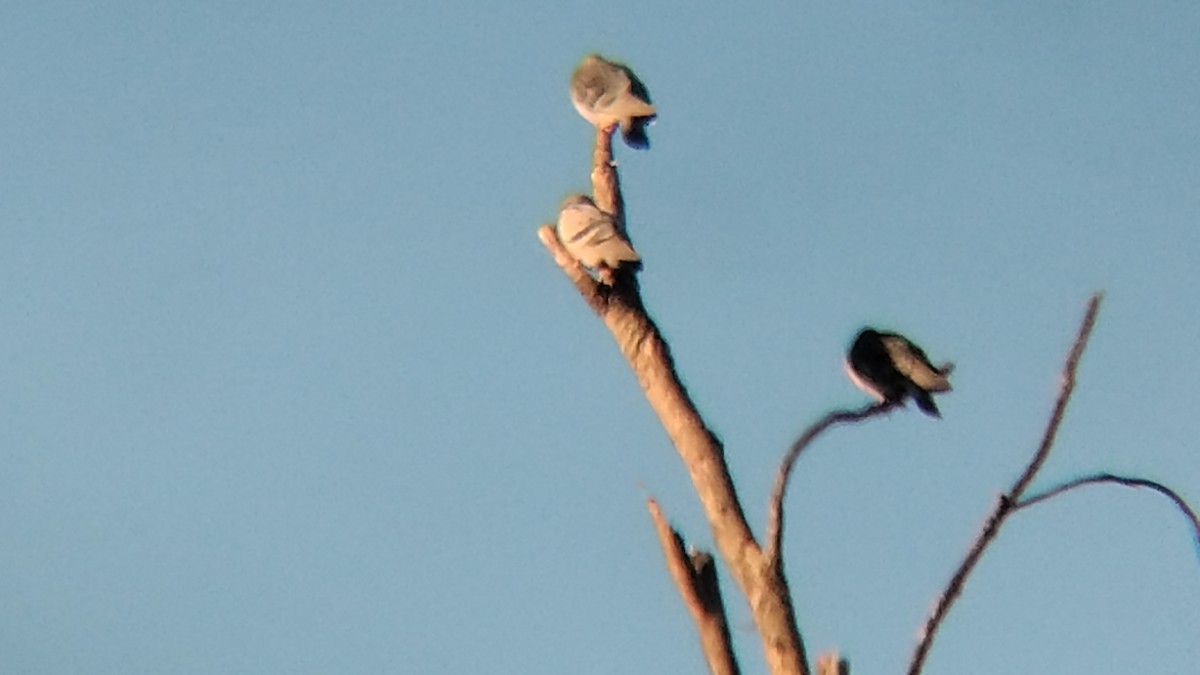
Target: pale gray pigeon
(606,93)
(889,367)
(592,237)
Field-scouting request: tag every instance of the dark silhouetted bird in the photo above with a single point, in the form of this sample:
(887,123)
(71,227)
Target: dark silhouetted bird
(889,367)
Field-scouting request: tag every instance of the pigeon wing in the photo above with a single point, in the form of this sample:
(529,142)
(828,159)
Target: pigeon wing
(592,238)
(911,361)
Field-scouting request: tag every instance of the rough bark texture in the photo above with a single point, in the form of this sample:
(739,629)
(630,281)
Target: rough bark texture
(759,573)
(620,308)
(695,576)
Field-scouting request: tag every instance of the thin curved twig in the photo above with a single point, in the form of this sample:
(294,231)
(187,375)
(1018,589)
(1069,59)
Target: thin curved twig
(775,505)
(1127,481)
(1005,504)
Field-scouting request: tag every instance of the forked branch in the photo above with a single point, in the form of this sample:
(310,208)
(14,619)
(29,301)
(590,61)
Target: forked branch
(1127,481)
(620,308)
(1006,503)
(695,576)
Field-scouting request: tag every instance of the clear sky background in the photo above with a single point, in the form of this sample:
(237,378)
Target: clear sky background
(288,384)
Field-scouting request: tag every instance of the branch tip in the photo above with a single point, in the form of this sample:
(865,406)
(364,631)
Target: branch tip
(1006,505)
(695,575)
(1179,502)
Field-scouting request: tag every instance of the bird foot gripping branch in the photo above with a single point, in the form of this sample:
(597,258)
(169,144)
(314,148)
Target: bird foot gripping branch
(592,230)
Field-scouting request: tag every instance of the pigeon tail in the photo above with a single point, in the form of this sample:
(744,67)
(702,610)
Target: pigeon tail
(633,131)
(925,403)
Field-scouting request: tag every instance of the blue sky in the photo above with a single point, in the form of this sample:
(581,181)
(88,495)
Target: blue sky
(288,385)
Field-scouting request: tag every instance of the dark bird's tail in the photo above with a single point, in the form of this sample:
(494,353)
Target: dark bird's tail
(634,132)
(925,403)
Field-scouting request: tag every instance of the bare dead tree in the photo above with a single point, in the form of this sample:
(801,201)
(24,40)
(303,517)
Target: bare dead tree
(758,570)
(620,307)
(1004,505)
(1014,500)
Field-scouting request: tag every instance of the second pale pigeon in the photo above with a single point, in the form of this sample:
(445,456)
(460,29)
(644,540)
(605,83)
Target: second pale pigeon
(592,237)
(606,93)
(890,368)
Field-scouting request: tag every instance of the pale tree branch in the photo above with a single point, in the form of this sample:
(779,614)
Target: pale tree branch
(831,663)
(648,354)
(1005,504)
(775,505)
(1127,481)
(606,186)
(695,576)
